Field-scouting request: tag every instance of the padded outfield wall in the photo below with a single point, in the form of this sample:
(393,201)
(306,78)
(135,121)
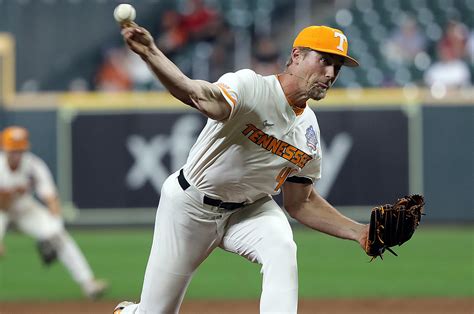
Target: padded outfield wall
(111,153)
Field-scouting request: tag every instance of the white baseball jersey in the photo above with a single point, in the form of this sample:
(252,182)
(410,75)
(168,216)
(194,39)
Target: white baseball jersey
(262,143)
(32,173)
(244,159)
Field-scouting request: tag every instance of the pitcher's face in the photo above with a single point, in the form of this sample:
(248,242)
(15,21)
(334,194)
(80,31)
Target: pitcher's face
(319,71)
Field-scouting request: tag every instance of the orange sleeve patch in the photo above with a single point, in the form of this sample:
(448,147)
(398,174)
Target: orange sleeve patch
(224,88)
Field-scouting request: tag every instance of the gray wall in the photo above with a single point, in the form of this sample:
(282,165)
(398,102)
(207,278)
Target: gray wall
(448,150)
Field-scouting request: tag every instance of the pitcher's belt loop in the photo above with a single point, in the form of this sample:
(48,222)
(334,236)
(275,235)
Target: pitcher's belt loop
(206,199)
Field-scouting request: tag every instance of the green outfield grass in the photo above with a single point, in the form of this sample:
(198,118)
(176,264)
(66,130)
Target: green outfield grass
(436,262)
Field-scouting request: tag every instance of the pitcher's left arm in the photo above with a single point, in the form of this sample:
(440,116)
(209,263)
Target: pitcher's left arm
(304,204)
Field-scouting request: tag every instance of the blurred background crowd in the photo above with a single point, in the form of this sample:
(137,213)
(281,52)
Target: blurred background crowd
(398,42)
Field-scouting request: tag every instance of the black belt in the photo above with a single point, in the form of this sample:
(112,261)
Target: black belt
(206,199)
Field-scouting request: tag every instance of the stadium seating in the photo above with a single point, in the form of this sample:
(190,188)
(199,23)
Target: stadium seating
(74,49)
(370,23)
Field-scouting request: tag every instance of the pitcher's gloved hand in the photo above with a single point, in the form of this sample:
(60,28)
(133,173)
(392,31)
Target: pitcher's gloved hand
(394,224)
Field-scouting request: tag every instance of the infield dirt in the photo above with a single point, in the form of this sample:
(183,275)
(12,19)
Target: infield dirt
(336,306)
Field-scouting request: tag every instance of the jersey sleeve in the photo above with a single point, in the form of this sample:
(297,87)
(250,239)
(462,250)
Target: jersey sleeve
(43,179)
(309,174)
(237,89)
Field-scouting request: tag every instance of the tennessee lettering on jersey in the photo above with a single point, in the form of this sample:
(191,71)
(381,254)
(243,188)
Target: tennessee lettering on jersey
(276,146)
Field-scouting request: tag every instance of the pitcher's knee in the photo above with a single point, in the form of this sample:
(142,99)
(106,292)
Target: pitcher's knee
(281,253)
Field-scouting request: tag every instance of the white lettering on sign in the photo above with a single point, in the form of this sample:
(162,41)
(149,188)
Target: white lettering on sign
(334,157)
(148,155)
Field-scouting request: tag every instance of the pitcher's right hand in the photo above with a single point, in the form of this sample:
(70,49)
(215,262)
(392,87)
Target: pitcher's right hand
(138,39)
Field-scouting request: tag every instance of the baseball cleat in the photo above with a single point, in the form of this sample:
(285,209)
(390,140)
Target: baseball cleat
(96,289)
(118,309)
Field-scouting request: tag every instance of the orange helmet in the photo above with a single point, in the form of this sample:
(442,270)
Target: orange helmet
(15,138)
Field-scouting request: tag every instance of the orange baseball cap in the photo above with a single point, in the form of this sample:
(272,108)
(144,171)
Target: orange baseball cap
(15,138)
(326,39)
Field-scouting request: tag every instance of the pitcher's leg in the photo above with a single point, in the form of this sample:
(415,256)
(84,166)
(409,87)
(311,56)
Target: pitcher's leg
(262,234)
(183,238)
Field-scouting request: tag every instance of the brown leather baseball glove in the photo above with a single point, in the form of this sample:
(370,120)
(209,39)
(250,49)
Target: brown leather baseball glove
(394,224)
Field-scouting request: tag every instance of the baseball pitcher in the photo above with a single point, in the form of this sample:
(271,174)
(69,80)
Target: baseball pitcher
(261,139)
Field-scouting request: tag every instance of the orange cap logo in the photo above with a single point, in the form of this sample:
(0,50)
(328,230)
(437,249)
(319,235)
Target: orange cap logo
(325,39)
(15,138)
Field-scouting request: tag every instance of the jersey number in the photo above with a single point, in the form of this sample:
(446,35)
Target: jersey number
(281,177)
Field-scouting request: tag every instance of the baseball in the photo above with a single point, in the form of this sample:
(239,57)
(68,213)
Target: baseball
(124,13)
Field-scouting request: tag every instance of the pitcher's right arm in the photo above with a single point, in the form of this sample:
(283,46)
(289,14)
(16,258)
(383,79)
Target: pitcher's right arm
(202,95)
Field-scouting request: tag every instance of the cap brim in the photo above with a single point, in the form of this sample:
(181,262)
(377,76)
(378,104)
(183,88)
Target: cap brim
(348,61)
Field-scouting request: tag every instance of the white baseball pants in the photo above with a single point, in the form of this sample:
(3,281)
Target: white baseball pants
(186,232)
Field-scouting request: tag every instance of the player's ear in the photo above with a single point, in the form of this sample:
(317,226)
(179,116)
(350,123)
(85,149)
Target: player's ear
(296,55)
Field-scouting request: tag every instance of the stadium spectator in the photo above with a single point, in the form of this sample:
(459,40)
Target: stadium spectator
(112,75)
(266,57)
(449,71)
(405,42)
(123,71)
(454,40)
(201,21)
(172,36)
(21,174)
(140,75)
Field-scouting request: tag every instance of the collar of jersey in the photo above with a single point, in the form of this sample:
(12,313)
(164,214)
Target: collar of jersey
(298,110)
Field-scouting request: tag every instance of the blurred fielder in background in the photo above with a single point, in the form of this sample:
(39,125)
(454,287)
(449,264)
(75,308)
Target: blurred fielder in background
(21,172)
(260,138)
